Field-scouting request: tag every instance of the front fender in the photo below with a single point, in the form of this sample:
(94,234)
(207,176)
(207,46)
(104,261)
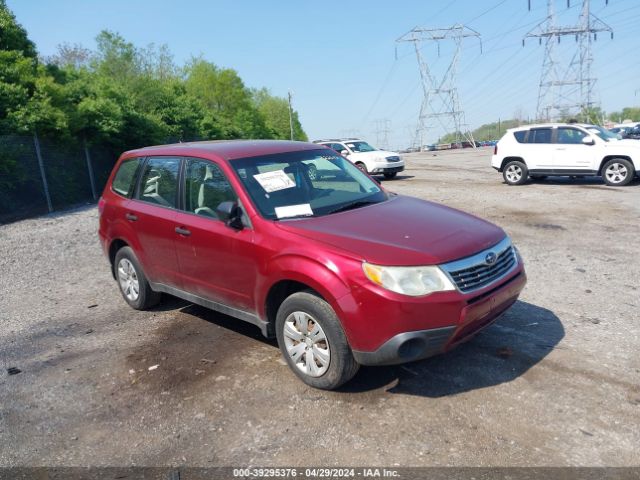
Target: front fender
(322,275)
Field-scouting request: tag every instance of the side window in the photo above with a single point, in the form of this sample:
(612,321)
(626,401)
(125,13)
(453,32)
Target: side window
(124,179)
(159,182)
(570,135)
(338,147)
(205,188)
(540,135)
(520,136)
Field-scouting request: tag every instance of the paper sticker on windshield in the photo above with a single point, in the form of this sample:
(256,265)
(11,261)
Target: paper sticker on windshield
(274,181)
(294,210)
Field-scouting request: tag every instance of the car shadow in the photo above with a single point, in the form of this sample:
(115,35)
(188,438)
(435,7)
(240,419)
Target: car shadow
(499,354)
(397,177)
(584,182)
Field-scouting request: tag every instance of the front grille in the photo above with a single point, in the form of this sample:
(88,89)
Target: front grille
(393,159)
(474,272)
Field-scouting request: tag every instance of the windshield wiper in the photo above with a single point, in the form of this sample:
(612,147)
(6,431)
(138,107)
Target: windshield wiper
(303,215)
(351,206)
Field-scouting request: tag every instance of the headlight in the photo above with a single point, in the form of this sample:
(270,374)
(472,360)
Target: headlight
(414,281)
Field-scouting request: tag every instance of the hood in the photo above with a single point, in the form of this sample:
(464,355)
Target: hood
(378,154)
(401,231)
(625,142)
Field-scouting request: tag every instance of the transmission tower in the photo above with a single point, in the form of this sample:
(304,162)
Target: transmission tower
(383,128)
(568,89)
(440,97)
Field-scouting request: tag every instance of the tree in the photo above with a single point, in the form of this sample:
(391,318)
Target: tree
(227,100)
(275,111)
(69,56)
(13,37)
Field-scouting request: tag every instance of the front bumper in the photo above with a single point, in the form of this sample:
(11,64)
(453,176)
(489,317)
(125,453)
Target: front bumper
(388,169)
(452,323)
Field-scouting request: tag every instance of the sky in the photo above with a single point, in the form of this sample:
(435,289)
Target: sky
(347,73)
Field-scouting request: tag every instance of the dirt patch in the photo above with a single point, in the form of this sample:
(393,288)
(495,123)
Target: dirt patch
(191,349)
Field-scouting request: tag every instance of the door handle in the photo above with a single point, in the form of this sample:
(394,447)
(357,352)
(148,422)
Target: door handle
(131,217)
(561,148)
(183,231)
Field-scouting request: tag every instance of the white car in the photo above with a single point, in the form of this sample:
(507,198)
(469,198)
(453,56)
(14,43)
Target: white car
(365,157)
(538,151)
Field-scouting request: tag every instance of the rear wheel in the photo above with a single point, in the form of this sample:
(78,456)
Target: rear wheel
(361,166)
(515,173)
(133,283)
(618,172)
(313,343)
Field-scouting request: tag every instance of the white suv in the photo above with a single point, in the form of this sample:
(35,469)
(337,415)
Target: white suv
(365,157)
(537,151)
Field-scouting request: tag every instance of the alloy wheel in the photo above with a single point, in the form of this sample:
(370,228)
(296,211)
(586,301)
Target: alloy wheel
(514,173)
(616,173)
(128,279)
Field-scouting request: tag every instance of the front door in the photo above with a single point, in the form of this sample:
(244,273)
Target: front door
(570,154)
(216,261)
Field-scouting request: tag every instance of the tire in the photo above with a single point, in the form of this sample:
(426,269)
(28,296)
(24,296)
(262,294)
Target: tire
(332,363)
(618,172)
(390,175)
(313,173)
(362,167)
(129,275)
(515,173)
(538,177)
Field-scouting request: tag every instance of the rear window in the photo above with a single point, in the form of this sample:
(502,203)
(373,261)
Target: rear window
(520,136)
(125,177)
(540,135)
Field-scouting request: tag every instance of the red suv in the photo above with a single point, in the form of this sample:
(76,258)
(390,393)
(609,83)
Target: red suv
(341,271)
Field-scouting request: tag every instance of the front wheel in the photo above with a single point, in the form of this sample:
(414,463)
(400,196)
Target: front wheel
(390,175)
(618,172)
(515,173)
(313,343)
(361,166)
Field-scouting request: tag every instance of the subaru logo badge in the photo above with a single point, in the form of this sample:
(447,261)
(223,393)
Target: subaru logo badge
(491,258)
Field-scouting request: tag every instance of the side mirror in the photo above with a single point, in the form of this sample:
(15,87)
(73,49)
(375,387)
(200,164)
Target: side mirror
(588,141)
(231,214)
(344,153)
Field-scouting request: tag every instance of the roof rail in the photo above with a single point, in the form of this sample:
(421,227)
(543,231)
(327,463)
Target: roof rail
(335,139)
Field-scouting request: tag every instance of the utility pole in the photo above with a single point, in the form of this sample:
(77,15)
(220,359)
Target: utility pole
(290,114)
(568,90)
(440,96)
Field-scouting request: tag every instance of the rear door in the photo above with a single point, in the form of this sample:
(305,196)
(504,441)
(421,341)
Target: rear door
(540,150)
(152,214)
(217,262)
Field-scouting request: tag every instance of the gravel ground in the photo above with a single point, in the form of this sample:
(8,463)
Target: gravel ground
(555,382)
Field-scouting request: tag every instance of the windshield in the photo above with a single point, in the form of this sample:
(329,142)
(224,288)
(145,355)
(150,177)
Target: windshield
(305,183)
(360,147)
(605,135)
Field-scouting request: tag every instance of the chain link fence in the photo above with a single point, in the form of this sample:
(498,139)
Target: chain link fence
(39,176)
